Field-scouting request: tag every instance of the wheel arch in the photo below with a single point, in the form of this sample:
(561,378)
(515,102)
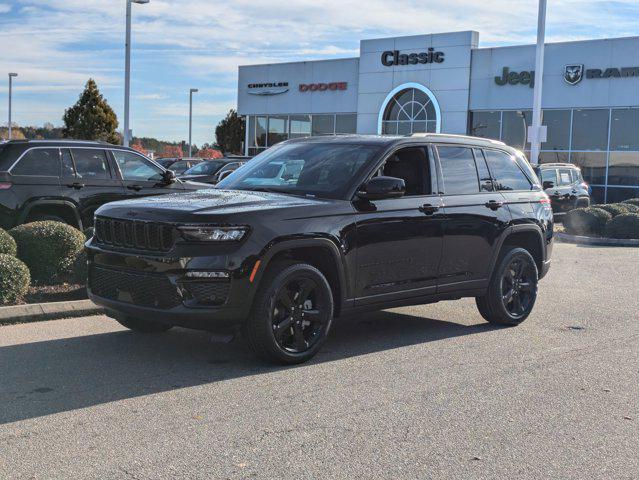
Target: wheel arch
(52,205)
(529,237)
(322,253)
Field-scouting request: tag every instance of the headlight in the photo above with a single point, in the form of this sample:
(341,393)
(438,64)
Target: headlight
(205,233)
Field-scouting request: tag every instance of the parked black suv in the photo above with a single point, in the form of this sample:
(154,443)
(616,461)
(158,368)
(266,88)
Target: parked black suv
(67,180)
(315,228)
(564,185)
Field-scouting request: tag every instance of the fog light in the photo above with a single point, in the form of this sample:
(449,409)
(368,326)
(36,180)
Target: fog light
(207,274)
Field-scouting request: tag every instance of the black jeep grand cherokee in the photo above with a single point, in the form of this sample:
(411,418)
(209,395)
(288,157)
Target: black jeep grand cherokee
(315,228)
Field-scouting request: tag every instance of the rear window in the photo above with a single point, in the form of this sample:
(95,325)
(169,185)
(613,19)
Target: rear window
(39,162)
(458,170)
(506,172)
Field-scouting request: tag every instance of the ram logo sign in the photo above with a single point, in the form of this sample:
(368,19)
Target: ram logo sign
(573,74)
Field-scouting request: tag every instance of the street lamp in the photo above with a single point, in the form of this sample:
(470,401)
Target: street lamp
(11,75)
(127,68)
(191,92)
(537,131)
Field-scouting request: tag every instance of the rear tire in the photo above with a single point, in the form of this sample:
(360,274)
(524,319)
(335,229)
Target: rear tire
(291,315)
(142,326)
(512,290)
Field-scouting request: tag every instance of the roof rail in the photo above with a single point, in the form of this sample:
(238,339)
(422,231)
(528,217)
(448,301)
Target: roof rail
(454,135)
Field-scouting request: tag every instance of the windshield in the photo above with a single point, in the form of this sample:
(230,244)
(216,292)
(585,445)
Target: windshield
(319,169)
(207,167)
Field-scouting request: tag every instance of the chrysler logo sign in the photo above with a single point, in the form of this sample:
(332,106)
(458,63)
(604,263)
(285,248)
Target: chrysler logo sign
(270,88)
(573,74)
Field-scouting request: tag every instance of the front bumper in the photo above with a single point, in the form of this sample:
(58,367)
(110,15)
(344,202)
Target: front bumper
(158,288)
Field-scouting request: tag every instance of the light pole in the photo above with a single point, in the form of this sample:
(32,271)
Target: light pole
(191,92)
(537,133)
(127,68)
(11,75)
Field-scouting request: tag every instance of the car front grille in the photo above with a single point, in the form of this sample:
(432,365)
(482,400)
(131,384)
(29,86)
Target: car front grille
(144,289)
(207,293)
(134,234)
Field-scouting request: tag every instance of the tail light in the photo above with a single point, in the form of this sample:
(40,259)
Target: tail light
(5,185)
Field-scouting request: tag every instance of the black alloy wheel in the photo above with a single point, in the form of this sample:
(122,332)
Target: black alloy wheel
(291,315)
(512,290)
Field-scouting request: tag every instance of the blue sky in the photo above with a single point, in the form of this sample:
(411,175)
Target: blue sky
(56,45)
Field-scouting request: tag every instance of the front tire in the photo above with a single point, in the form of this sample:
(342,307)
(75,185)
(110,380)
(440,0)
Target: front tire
(291,315)
(512,290)
(140,325)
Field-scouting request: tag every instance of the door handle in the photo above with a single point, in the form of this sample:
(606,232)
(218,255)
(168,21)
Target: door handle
(428,209)
(494,204)
(76,185)
(137,188)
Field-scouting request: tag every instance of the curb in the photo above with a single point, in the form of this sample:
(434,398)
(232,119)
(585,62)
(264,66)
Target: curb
(36,312)
(602,242)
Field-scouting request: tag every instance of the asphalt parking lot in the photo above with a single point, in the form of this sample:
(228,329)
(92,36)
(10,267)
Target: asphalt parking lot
(423,392)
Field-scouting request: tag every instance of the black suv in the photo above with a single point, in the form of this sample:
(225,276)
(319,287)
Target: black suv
(316,228)
(67,180)
(564,185)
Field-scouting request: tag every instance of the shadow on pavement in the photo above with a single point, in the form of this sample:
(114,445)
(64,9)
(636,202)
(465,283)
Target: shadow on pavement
(55,376)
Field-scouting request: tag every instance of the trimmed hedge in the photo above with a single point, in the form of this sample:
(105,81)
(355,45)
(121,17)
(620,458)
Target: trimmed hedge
(48,248)
(632,201)
(630,207)
(14,279)
(7,244)
(586,221)
(88,232)
(80,269)
(623,226)
(615,209)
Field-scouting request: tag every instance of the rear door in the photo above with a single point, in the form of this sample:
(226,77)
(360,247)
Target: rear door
(94,182)
(140,176)
(567,189)
(36,176)
(476,216)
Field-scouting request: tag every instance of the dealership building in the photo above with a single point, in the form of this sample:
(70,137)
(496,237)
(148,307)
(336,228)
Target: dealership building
(446,83)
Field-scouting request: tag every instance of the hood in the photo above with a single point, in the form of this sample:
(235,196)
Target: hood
(181,207)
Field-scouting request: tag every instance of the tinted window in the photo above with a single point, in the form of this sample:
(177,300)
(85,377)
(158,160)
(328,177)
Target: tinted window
(136,167)
(321,169)
(486,124)
(485,181)
(91,163)
(549,175)
(411,165)
(44,162)
(514,127)
(68,170)
(565,176)
(558,134)
(458,170)
(277,129)
(506,172)
(346,123)
(623,168)
(300,126)
(207,167)
(323,124)
(624,131)
(590,129)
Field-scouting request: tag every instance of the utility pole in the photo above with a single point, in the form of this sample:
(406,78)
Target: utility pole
(11,75)
(536,133)
(191,92)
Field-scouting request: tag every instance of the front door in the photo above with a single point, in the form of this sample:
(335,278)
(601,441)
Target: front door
(140,176)
(399,241)
(476,215)
(93,184)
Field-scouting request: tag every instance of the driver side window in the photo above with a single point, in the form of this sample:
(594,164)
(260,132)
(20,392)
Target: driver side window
(135,167)
(411,165)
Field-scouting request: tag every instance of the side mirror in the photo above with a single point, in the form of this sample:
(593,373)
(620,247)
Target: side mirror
(168,176)
(548,184)
(379,188)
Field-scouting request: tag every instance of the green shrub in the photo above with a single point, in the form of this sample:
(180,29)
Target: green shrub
(632,201)
(615,209)
(589,221)
(14,279)
(623,226)
(630,207)
(80,271)
(88,232)
(48,248)
(7,243)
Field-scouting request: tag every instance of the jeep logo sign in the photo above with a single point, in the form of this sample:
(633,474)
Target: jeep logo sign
(514,78)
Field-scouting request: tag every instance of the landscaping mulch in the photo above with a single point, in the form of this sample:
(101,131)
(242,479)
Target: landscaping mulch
(55,293)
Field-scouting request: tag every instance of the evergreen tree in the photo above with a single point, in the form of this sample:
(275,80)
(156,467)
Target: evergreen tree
(91,118)
(230,133)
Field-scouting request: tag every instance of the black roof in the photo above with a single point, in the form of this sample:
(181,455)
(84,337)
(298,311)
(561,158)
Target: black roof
(60,142)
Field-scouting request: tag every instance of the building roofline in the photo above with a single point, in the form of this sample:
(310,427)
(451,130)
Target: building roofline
(341,59)
(565,42)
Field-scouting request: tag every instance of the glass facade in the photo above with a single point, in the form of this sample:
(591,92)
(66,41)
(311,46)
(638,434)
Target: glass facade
(409,111)
(266,130)
(603,142)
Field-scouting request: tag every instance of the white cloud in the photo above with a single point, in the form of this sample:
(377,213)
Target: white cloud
(5,8)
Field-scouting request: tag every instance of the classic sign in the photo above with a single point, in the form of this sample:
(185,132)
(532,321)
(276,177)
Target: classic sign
(393,57)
